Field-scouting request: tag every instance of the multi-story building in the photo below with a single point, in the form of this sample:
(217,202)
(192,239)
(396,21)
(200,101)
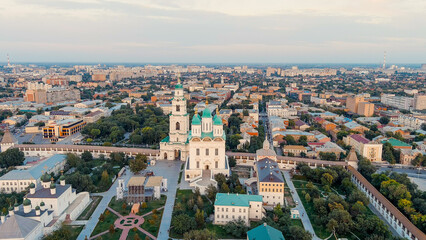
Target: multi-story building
(46,94)
(358,105)
(408,155)
(397,101)
(19,180)
(411,121)
(270,182)
(62,128)
(231,207)
(368,149)
(295,150)
(420,101)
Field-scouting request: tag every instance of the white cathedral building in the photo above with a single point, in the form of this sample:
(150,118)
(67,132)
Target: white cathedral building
(202,148)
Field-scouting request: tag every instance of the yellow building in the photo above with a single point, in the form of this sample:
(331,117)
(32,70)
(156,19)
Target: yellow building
(366,109)
(270,182)
(63,128)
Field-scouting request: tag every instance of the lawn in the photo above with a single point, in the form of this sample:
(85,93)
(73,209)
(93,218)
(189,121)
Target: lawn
(85,215)
(104,225)
(320,231)
(152,224)
(153,205)
(75,231)
(117,205)
(132,234)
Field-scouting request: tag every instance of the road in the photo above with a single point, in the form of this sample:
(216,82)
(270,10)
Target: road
(414,173)
(303,215)
(107,196)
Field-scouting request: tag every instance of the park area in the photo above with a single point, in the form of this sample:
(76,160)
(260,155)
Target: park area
(119,222)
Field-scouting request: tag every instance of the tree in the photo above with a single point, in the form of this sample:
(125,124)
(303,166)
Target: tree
(232,162)
(384,120)
(144,205)
(82,183)
(87,156)
(236,228)
(358,208)
(73,160)
(204,234)
(394,191)
(234,141)
(199,218)
(11,157)
(211,191)
(111,229)
(327,179)
(366,168)
(308,197)
(183,223)
(95,132)
(138,164)
(343,219)
(298,233)
(225,188)
(105,181)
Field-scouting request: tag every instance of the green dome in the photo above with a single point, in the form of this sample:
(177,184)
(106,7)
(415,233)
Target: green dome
(196,120)
(16,205)
(207,113)
(37,208)
(45,178)
(42,204)
(52,185)
(10,208)
(27,202)
(179,86)
(217,120)
(32,185)
(62,177)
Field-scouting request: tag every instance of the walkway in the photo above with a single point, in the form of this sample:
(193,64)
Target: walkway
(106,198)
(303,215)
(169,170)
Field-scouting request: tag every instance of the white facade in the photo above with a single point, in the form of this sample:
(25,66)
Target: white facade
(397,101)
(411,121)
(175,146)
(249,208)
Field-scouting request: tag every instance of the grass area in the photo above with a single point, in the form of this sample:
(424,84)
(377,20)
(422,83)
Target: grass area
(104,225)
(296,222)
(75,231)
(152,224)
(85,215)
(220,231)
(153,205)
(108,236)
(320,231)
(180,173)
(117,205)
(132,234)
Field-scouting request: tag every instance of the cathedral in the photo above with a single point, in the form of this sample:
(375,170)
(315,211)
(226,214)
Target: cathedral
(202,148)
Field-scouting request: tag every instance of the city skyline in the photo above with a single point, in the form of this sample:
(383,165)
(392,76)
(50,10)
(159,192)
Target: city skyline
(213,32)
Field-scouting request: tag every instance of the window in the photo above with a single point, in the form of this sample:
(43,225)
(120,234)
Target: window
(198,152)
(207,151)
(216,164)
(177,126)
(198,164)
(233,210)
(177,108)
(216,151)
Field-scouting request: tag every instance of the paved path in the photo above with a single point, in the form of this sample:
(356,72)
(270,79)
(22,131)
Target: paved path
(169,170)
(303,215)
(106,198)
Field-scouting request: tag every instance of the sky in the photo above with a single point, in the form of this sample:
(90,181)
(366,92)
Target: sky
(213,31)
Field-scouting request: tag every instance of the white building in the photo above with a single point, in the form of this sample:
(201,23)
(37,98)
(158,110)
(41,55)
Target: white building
(411,121)
(368,149)
(397,101)
(232,207)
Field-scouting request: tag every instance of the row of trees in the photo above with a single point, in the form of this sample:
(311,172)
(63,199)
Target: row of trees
(338,215)
(403,194)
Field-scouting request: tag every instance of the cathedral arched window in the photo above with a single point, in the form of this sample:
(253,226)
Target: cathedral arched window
(177,126)
(177,108)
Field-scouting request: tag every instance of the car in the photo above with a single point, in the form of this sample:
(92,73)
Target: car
(297,202)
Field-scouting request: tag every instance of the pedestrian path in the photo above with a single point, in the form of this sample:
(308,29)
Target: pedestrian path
(303,215)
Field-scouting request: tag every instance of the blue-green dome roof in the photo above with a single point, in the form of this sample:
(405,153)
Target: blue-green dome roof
(179,86)
(207,113)
(217,120)
(196,120)
(27,202)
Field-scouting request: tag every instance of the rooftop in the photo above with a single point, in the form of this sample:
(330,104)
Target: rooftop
(136,181)
(265,232)
(359,138)
(240,200)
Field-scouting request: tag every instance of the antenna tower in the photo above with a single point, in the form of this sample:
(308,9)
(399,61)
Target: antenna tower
(384,60)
